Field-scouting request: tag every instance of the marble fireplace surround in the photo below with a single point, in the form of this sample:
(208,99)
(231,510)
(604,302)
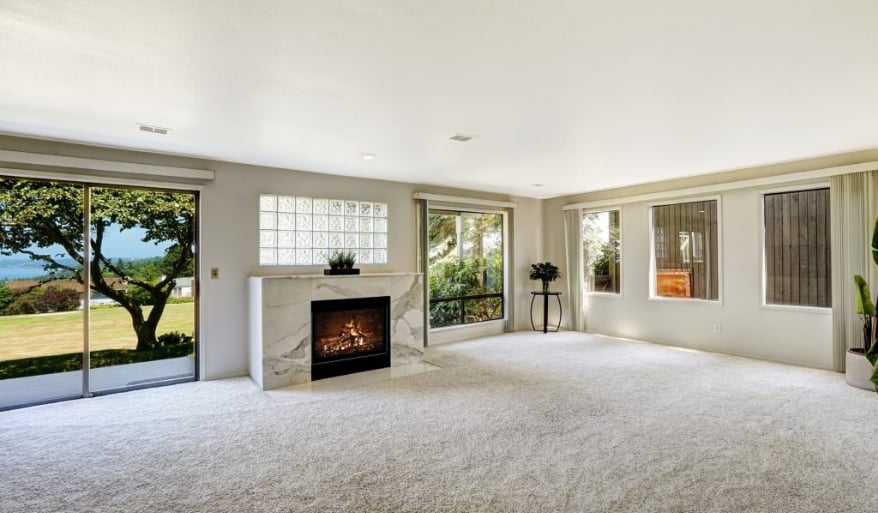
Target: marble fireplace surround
(280,320)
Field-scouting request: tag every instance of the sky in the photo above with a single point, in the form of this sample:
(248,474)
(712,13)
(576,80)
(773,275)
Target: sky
(117,243)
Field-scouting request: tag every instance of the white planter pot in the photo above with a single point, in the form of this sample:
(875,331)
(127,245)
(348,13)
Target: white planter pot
(858,371)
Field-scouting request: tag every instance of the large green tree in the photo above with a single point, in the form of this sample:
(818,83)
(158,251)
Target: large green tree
(38,217)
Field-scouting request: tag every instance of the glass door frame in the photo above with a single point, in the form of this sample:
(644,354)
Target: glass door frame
(88,183)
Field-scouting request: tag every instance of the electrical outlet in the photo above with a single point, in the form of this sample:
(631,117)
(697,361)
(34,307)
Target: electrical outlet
(717,327)
(214,273)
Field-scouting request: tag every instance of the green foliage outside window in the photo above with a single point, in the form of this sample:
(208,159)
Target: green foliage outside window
(600,251)
(6,297)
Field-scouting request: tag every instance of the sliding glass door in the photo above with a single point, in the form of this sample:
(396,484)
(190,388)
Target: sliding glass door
(136,325)
(141,269)
(41,329)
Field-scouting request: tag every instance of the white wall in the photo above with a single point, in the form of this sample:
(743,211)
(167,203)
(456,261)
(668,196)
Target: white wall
(748,329)
(230,238)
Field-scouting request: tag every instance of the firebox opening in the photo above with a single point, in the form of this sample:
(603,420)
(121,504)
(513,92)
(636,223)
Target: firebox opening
(349,335)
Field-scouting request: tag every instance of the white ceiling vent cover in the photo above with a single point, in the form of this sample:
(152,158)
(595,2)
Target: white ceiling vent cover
(154,129)
(461,138)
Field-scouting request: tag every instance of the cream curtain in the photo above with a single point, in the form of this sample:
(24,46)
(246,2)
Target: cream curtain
(853,208)
(573,247)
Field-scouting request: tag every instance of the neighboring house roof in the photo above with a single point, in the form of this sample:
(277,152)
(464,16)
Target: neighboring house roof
(16,285)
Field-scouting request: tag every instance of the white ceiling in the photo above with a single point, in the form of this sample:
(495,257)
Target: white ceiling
(576,95)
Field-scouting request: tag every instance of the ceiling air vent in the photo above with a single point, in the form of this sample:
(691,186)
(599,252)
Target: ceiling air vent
(154,129)
(461,138)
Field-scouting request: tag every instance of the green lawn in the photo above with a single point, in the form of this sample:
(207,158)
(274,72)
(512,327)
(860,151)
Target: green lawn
(29,336)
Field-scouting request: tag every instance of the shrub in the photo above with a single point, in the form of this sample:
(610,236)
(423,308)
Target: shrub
(6,297)
(173,338)
(56,299)
(469,276)
(45,300)
(22,305)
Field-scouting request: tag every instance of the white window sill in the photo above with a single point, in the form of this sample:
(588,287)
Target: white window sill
(683,300)
(799,309)
(466,331)
(608,295)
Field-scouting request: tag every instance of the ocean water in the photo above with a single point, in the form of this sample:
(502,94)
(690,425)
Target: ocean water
(120,244)
(17,268)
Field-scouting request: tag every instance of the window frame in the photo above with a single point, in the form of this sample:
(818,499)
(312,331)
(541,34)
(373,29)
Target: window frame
(615,295)
(719,301)
(763,289)
(460,209)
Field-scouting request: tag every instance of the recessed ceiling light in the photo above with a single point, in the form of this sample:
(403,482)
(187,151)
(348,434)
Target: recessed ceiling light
(154,129)
(537,185)
(368,156)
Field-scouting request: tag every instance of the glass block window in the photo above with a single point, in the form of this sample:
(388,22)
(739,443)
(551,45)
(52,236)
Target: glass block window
(298,230)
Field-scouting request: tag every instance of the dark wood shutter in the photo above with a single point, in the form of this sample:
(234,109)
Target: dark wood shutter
(797,248)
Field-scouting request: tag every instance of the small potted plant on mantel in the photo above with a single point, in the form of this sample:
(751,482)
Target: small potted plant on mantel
(861,363)
(341,262)
(546,272)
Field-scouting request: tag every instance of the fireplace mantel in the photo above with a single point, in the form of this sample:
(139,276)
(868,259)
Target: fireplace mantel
(280,320)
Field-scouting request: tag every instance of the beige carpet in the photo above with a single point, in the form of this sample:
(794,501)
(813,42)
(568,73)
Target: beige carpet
(525,422)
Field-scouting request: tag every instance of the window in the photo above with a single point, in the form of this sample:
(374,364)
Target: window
(601,251)
(797,248)
(296,230)
(466,267)
(686,250)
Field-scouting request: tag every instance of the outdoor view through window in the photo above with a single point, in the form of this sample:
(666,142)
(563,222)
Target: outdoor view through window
(601,251)
(141,323)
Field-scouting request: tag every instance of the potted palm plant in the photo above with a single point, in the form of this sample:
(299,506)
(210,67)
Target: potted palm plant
(546,272)
(861,363)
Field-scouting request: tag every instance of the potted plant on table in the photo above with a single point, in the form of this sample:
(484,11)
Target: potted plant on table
(861,363)
(546,272)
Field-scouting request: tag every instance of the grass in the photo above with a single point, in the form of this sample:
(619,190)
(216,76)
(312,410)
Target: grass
(57,334)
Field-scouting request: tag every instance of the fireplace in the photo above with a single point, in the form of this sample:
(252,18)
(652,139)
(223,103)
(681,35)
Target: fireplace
(349,335)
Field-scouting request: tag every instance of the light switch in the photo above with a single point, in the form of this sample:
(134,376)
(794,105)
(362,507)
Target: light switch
(214,273)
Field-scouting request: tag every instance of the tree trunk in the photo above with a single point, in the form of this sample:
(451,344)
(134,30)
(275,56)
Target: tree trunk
(144,328)
(146,338)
